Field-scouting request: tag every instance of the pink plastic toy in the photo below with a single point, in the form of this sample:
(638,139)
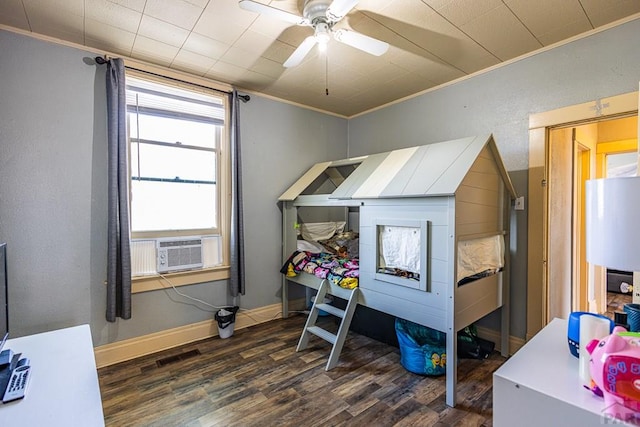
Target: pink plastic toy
(615,369)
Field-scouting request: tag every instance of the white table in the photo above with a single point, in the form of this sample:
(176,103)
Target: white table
(63,389)
(539,386)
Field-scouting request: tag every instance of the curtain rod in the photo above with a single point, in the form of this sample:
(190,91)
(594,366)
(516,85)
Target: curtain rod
(103,60)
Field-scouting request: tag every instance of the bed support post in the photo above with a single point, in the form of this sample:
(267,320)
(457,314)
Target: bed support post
(505,280)
(452,368)
(289,219)
(504,316)
(452,330)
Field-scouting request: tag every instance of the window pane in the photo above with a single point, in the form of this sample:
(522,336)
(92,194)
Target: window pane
(157,161)
(175,137)
(399,249)
(622,164)
(165,129)
(172,206)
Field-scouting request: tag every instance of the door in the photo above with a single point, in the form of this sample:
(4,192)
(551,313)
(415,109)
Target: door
(541,126)
(560,225)
(584,294)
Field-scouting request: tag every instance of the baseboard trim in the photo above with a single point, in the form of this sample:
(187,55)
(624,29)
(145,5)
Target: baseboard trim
(492,335)
(121,351)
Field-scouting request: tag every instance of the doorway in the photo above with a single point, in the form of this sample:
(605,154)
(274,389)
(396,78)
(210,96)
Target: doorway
(576,154)
(618,158)
(565,151)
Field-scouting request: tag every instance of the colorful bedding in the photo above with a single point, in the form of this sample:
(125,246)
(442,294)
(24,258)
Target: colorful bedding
(343,272)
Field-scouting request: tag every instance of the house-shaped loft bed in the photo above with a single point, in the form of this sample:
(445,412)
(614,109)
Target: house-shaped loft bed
(454,197)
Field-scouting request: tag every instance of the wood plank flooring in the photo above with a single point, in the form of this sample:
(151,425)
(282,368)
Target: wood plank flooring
(616,302)
(256,378)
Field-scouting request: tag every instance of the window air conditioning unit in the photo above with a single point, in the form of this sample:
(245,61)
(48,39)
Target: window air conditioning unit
(181,253)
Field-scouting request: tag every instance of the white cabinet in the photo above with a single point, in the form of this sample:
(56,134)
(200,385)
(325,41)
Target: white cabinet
(63,389)
(539,386)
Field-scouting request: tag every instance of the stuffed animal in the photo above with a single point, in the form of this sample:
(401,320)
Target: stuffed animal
(615,369)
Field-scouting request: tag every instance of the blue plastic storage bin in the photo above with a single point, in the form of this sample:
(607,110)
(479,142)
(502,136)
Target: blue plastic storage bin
(633,316)
(422,349)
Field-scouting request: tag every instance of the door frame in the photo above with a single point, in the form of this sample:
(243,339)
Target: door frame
(539,127)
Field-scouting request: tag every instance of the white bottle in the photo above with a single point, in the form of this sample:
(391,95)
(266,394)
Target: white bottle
(591,327)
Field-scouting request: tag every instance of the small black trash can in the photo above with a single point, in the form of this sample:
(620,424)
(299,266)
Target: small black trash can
(226,318)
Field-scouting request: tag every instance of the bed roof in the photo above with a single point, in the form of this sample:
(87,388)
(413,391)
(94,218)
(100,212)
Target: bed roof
(428,170)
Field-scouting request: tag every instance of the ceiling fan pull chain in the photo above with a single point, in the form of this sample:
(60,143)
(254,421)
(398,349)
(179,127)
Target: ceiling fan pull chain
(326,72)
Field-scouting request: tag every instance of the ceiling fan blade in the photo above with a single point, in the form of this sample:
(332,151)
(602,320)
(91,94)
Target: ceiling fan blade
(298,55)
(360,41)
(254,6)
(339,8)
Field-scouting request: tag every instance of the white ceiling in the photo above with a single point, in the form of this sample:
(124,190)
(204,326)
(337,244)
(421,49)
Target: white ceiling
(431,41)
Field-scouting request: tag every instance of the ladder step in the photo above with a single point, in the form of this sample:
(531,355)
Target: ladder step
(331,309)
(322,333)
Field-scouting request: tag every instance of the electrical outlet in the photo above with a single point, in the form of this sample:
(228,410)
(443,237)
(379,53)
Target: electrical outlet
(519,203)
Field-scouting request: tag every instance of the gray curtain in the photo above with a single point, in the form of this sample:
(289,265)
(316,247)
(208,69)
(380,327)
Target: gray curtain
(236,281)
(118,252)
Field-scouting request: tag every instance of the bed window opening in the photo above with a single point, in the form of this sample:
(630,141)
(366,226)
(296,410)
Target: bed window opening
(479,258)
(401,253)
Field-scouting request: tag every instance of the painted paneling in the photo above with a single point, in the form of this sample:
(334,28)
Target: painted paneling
(478,208)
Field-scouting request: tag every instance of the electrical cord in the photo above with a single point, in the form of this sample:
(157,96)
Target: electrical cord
(203,302)
(279,314)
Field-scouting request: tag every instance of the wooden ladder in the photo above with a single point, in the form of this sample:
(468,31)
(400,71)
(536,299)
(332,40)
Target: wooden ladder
(336,339)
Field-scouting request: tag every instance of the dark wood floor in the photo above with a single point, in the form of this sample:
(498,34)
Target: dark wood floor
(255,378)
(616,302)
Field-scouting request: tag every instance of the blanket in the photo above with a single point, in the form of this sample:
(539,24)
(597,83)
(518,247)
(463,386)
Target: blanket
(343,272)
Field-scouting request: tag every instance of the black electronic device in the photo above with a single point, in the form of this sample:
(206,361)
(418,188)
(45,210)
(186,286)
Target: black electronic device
(4,295)
(6,355)
(17,385)
(14,371)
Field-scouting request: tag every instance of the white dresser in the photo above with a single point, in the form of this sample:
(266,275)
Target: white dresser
(539,386)
(63,389)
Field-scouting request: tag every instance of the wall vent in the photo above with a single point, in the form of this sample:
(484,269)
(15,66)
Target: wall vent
(182,253)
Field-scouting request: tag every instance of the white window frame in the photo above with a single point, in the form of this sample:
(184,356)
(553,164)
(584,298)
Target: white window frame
(422,227)
(223,184)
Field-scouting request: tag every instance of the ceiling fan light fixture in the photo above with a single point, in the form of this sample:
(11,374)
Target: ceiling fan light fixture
(322,35)
(322,16)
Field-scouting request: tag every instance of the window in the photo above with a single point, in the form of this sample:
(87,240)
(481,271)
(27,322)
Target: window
(622,164)
(401,252)
(177,138)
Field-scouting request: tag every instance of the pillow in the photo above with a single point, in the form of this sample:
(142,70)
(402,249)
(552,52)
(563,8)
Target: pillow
(314,231)
(306,246)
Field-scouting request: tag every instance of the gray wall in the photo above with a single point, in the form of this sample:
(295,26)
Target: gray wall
(500,102)
(53,194)
(279,144)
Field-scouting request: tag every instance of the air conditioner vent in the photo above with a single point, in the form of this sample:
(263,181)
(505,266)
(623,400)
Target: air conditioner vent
(181,253)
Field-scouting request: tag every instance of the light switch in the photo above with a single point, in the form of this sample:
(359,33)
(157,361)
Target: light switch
(520,203)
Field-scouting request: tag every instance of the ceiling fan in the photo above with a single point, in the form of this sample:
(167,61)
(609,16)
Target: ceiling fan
(321,15)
